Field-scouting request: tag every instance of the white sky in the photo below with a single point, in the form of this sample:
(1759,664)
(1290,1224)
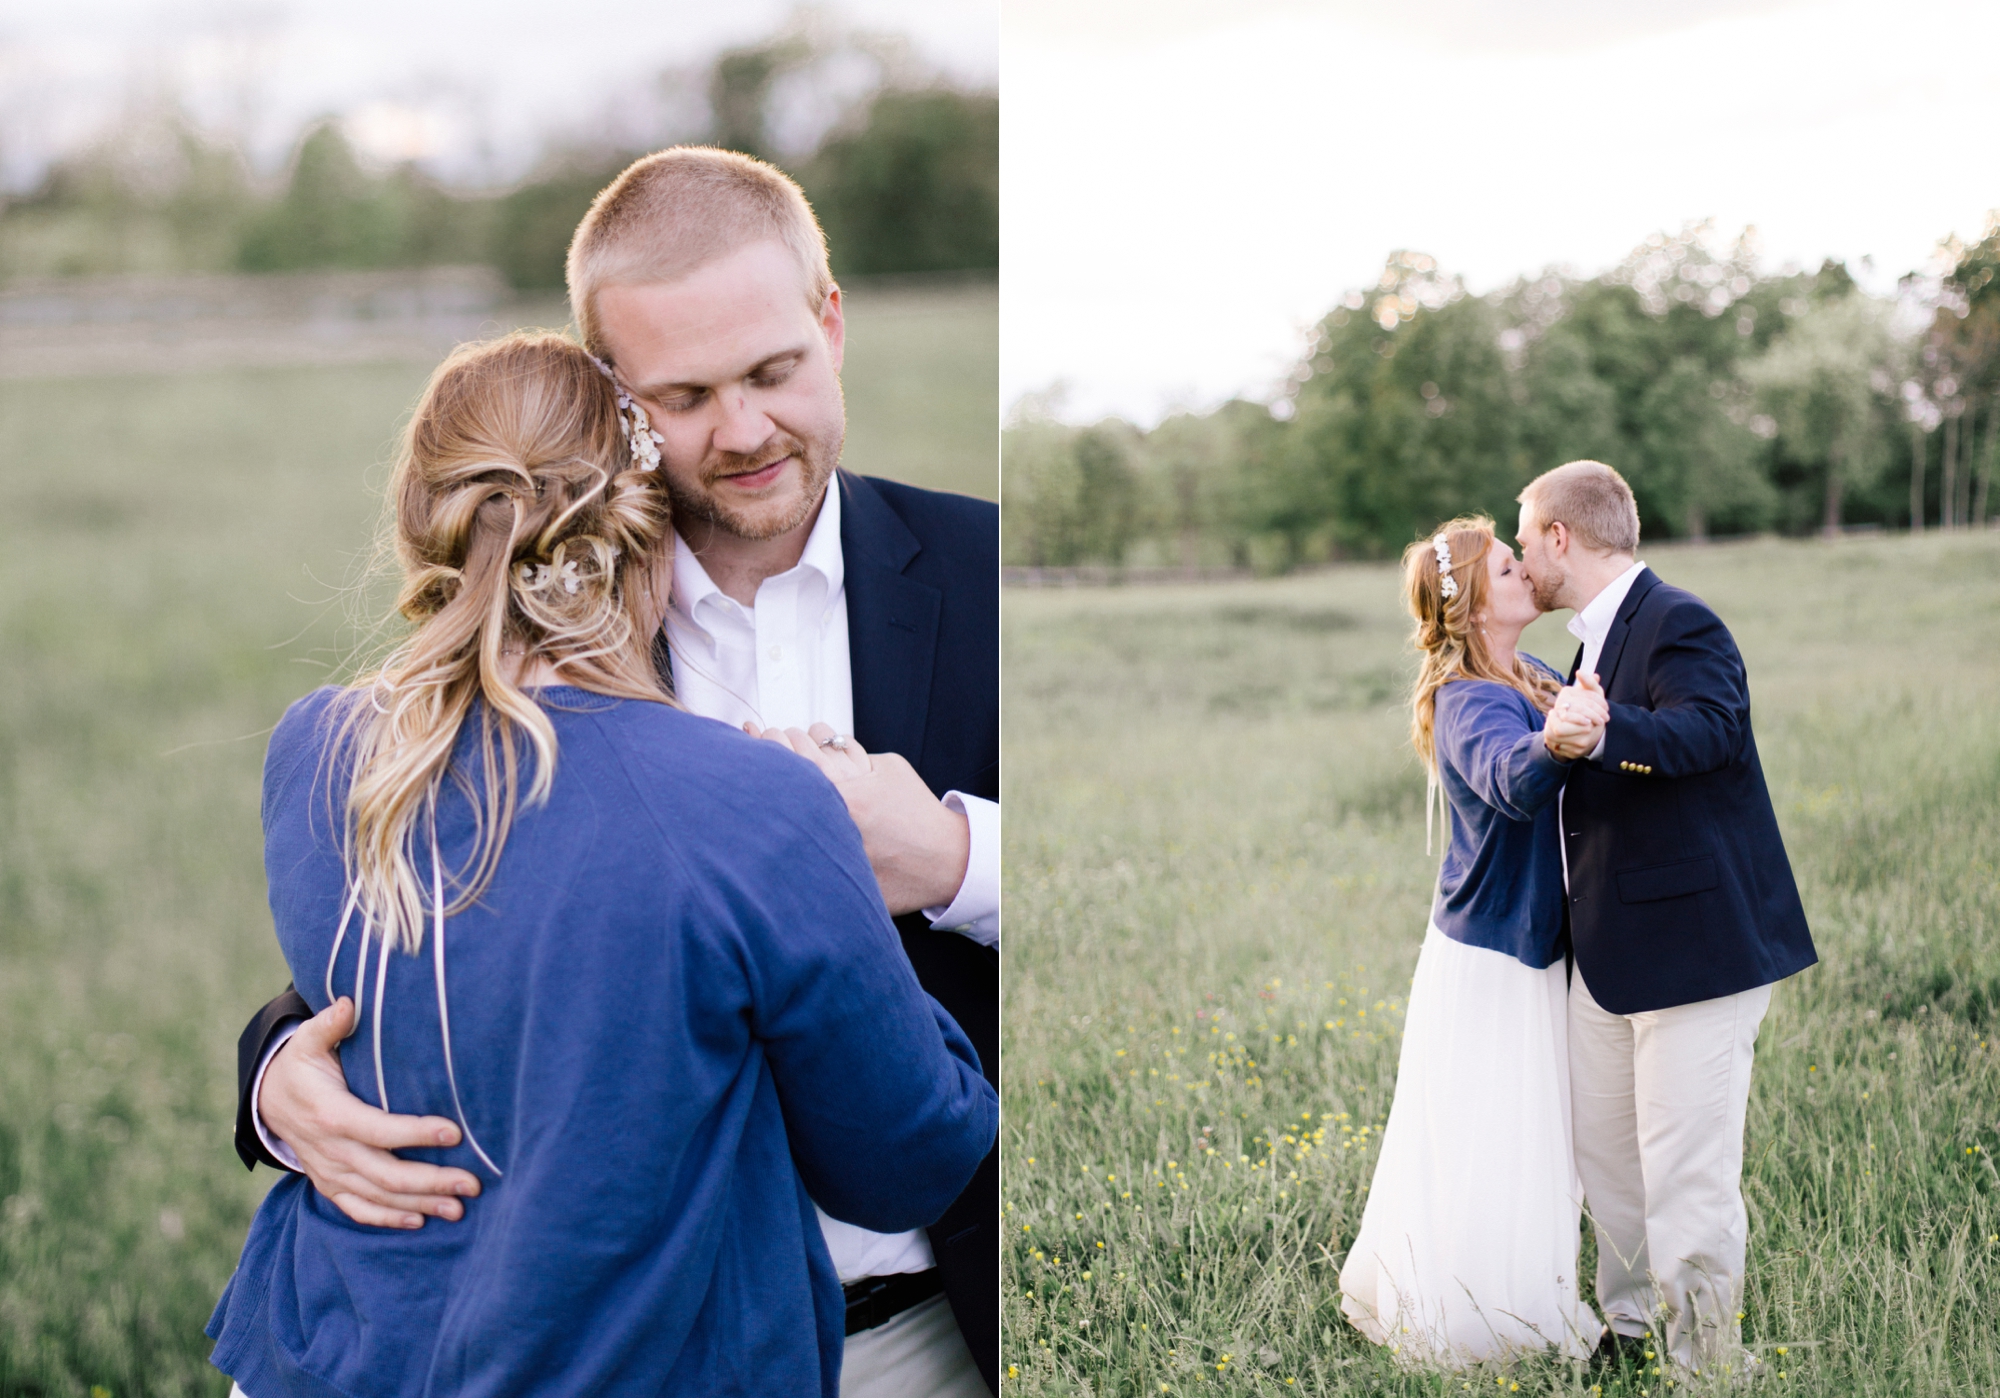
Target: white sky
(474,85)
(1187,185)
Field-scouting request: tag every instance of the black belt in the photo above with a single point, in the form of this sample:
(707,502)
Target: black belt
(874,1301)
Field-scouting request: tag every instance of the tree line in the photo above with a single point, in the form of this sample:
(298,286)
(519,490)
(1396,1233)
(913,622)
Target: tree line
(907,182)
(1734,402)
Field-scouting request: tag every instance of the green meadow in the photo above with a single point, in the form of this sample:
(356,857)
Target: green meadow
(172,553)
(1216,887)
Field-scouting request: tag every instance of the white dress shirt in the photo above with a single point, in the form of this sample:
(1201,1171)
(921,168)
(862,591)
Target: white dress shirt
(784,663)
(1592,626)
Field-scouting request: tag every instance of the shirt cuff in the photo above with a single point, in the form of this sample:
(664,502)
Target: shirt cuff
(280,1152)
(975,912)
(1598,751)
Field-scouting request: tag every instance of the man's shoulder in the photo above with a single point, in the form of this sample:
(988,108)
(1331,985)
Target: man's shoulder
(1677,607)
(940,518)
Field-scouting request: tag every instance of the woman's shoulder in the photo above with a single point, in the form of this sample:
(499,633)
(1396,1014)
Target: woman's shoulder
(1478,694)
(721,797)
(666,747)
(306,728)
(1468,706)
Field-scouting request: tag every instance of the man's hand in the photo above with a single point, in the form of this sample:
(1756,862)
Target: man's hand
(343,1144)
(1577,719)
(916,844)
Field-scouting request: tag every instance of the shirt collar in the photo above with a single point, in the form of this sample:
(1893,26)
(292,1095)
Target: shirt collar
(1593,623)
(822,552)
(692,585)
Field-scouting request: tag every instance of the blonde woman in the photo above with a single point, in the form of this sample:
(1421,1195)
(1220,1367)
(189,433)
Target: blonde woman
(498,843)
(1468,1245)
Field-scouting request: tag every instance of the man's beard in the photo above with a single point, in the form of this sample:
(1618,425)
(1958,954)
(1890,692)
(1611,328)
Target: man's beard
(1548,585)
(816,462)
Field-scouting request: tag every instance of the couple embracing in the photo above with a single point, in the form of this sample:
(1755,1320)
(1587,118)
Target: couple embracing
(642,904)
(1613,909)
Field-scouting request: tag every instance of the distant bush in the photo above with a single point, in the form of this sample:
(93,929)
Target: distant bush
(1733,401)
(333,213)
(532,225)
(908,182)
(916,188)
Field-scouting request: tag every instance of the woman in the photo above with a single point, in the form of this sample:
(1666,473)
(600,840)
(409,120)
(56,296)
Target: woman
(513,795)
(1468,1244)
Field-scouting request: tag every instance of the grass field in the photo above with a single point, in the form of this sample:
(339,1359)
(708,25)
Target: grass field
(167,550)
(1216,888)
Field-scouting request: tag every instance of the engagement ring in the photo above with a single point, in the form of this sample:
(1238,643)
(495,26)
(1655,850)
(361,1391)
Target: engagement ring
(836,742)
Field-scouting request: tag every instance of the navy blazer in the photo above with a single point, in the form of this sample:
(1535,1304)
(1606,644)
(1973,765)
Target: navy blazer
(923,638)
(1679,887)
(923,642)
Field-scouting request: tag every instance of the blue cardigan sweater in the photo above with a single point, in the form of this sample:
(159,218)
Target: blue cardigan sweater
(649,1228)
(1501,885)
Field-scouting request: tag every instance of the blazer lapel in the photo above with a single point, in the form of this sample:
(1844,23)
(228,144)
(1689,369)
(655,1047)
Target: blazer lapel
(892,623)
(1621,626)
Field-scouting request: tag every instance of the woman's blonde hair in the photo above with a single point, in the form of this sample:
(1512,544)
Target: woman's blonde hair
(1450,644)
(522,534)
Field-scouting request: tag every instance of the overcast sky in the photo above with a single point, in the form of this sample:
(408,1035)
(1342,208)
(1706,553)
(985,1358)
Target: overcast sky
(460,82)
(1187,186)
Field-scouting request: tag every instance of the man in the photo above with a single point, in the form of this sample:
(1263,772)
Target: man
(1682,915)
(805,601)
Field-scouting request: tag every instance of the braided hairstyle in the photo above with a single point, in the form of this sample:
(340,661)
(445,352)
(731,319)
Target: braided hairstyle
(1450,643)
(523,534)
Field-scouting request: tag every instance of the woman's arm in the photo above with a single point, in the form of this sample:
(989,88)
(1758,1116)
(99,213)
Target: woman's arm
(885,1107)
(1483,733)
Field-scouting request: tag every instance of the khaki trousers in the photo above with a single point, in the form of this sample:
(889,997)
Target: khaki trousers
(919,1354)
(1658,1102)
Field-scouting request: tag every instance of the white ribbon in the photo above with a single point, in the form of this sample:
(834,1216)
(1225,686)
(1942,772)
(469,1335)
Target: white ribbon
(361,981)
(444,1008)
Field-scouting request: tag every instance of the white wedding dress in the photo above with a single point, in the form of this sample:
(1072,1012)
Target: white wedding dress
(1468,1243)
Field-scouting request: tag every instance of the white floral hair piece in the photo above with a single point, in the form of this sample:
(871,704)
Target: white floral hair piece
(1447,584)
(638,428)
(535,576)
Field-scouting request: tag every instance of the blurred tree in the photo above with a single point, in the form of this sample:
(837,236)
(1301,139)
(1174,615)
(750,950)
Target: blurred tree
(1074,494)
(1822,385)
(739,91)
(916,187)
(330,215)
(334,213)
(1041,526)
(1401,417)
(1107,491)
(1699,460)
(153,196)
(533,223)
(1200,468)
(1964,340)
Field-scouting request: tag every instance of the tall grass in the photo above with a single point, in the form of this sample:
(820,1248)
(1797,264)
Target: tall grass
(169,548)
(1217,885)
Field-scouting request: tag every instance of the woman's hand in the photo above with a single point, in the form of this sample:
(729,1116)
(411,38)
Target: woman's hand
(343,1145)
(1577,720)
(918,846)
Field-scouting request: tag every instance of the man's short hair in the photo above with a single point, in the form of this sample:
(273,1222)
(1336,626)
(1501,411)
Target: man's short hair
(677,210)
(1592,500)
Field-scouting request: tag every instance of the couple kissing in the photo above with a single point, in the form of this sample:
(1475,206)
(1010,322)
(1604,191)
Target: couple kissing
(1614,906)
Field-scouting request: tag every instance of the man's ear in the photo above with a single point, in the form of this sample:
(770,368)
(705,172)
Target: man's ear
(1558,537)
(833,325)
